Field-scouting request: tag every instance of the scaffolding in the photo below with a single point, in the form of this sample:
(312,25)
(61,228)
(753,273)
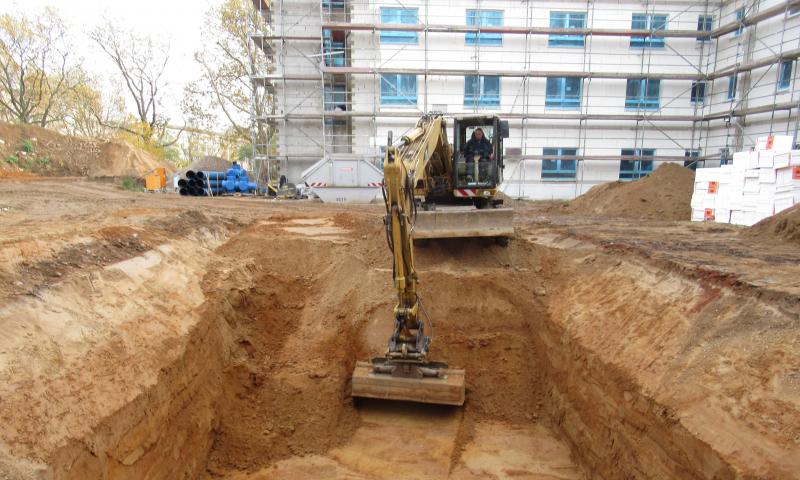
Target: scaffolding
(325,61)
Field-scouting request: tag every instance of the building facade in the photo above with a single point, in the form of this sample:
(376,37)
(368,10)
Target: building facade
(594,91)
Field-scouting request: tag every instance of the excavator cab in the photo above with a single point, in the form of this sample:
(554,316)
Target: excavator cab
(478,175)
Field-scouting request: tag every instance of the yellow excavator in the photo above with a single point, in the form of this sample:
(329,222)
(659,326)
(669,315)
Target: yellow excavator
(423,170)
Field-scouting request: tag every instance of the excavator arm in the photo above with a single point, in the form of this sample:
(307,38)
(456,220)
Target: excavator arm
(404,373)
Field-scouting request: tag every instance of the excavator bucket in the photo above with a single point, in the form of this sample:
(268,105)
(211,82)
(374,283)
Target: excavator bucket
(438,384)
(464,221)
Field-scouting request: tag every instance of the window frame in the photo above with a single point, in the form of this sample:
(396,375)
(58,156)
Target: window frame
(786,68)
(563,102)
(567,41)
(642,101)
(483,39)
(649,41)
(397,100)
(482,99)
(693,97)
(638,171)
(705,20)
(740,14)
(330,94)
(398,37)
(560,174)
(733,85)
(329,46)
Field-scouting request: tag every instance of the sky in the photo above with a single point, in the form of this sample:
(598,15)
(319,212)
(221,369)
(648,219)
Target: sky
(178,23)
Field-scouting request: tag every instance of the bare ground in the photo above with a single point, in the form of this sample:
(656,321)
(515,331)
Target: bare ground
(153,336)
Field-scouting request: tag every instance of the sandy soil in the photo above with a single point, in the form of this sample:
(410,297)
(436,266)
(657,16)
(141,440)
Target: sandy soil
(154,336)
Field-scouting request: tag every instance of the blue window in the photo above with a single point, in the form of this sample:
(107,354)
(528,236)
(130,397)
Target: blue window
(642,93)
(698,92)
(397,89)
(733,80)
(567,20)
(785,75)
(335,97)
(333,4)
(561,168)
(481,91)
(484,18)
(794,10)
(739,18)
(638,168)
(563,93)
(641,21)
(333,48)
(401,16)
(705,23)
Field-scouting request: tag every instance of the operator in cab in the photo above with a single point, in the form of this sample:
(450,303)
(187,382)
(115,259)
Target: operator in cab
(478,146)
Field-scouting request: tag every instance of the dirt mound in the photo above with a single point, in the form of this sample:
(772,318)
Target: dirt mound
(32,149)
(784,226)
(211,163)
(664,195)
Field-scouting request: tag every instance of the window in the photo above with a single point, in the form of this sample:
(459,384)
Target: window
(397,89)
(732,81)
(739,18)
(705,23)
(484,18)
(563,92)
(636,169)
(725,156)
(481,91)
(401,16)
(641,21)
(562,168)
(692,161)
(333,48)
(698,92)
(794,10)
(785,75)
(642,93)
(567,20)
(333,4)
(335,98)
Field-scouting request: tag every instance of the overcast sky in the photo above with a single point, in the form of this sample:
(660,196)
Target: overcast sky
(178,23)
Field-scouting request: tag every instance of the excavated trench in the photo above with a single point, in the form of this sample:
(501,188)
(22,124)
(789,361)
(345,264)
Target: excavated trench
(567,376)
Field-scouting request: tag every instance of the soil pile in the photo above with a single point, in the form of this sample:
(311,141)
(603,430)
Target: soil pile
(32,149)
(784,226)
(664,195)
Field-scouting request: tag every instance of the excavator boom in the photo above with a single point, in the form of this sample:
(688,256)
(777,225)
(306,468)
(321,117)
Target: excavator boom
(404,373)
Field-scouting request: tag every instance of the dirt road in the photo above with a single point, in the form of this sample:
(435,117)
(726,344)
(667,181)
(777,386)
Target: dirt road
(153,336)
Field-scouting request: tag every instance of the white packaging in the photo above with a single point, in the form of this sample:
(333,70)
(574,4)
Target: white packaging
(794,158)
(783,201)
(766,159)
(775,143)
(698,214)
(700,186)
(705,174)
(766,175)
(698,199)
(737,217)
(751,172)
(781,159)
(740,159)
(751,185)
(752,161)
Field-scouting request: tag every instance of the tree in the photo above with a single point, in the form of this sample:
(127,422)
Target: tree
(89,112)
(141,62)
(228,59)
(37,70)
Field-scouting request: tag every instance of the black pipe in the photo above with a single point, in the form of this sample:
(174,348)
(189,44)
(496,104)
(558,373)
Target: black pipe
(190,174)
(182,183)
(184,191)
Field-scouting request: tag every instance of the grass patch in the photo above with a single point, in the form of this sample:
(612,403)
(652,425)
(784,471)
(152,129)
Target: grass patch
(27,146)
(12,160)
(130,183)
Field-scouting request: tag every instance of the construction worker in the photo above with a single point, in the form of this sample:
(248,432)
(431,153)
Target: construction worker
(478,145)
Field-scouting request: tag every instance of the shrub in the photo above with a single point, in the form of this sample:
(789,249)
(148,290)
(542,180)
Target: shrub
(27,146)
(12,160)
(130,183)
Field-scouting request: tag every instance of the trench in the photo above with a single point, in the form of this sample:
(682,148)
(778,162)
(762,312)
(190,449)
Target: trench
(260,390)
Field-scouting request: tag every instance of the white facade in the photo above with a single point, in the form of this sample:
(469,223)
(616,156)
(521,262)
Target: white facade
(357,120)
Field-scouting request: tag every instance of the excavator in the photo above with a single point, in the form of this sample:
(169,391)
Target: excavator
(422,171)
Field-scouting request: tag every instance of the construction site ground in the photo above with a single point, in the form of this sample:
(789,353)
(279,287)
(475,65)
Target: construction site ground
(154,336)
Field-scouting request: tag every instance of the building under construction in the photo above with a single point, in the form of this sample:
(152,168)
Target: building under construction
(594,91)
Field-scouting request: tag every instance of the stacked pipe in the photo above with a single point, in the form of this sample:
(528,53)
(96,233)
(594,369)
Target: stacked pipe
(201,183)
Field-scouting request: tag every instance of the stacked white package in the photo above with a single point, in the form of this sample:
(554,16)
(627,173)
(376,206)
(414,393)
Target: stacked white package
(756,185)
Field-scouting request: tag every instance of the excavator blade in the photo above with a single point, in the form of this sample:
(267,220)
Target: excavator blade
(464,221)
(446,389)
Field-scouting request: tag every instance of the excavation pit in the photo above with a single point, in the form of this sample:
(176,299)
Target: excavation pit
(224,351)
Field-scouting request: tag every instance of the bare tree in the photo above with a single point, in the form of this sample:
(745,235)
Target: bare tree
(228,60)
(37,70)
(141,62)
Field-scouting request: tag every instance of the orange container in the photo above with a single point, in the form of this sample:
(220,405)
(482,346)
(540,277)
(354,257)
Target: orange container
(154,181)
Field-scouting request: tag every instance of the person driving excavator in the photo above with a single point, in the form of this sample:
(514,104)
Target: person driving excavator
(478,146)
